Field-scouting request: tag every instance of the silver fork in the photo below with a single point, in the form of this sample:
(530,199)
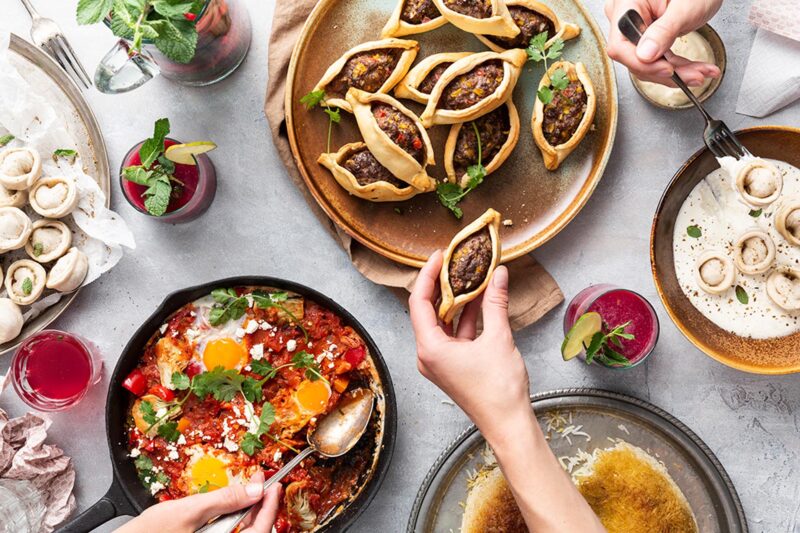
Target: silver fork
(718,138)
(46,34)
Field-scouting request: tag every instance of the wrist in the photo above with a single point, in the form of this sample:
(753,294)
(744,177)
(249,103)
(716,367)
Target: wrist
(516,428)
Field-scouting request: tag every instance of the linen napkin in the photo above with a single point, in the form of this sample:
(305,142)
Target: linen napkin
(533,292)
(772,78)
(25,456)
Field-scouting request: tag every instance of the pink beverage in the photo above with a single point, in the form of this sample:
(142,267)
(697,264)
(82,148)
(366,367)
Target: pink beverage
(617,306)
(52,370)
(192,193)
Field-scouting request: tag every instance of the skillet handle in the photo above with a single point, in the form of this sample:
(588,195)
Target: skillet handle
(110,506)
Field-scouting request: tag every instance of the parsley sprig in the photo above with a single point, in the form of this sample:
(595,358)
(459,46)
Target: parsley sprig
(600,347)
(539,51)
(144,468)
(312,100)
(450,194)
(300,360)
(230,306)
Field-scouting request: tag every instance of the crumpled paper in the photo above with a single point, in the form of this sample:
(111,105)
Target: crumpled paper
(772,78)
(24,455)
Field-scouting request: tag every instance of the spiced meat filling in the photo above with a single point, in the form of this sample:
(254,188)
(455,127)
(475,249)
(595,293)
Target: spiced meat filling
(470,262)
(419,11)
(493,128)
(530,25)
(367,71)
(471,87)
(479,9)
(564,113)
(366,169)
(400,129)
(427,84)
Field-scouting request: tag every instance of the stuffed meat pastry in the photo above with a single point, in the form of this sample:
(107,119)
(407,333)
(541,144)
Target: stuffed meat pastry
(758,182)
(69,271)
(468,263)
(356,170)
(420,80)
(714,272)
(54,197)
(561,124)
(498,132)
(394,135)
(11,320)
(787,220)
(413,16)
(486,17)
(19,168)
(374,67)
(25,281)
(473,86)
(12,198)
(754,252)
(15,228)
(783,288)
(532,18)
(49,240)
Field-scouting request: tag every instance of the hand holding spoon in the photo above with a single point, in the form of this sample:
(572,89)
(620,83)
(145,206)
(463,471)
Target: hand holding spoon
(334,436)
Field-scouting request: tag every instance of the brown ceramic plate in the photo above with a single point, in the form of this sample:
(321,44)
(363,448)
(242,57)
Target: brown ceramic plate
(759,356)
(538,202)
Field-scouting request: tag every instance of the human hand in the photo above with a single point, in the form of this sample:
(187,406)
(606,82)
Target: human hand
(192,512)
(667,20)
(485,376)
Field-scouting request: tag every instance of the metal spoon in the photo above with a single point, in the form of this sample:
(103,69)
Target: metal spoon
(335,435)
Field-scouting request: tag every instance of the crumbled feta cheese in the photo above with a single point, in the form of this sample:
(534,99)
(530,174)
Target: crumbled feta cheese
(163,328)
(192,314)
(257,351)
(291,345)
(191,334)
(173,454)
(251,327)
(239,332)
(250,301)
(508,222)
(310,345)
(248,368)
(277,456)
(181,440)
(230,445)
(236,410)
(136,452)
(265,326)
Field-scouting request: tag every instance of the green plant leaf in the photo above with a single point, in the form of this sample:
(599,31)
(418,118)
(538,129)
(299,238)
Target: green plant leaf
(177,39)
(92,11)
(148,413)
(755,213)
(180,381)
(157,196)
(27,286)
(169,430)
(137,174)
(694,232)
(154,146)
(64,152)
(559,80)
(38,248)
(555,48)
(741,295)
(251,389)
(5,139)
(449,195)
(545,95)
(173,9)
(250,443)
(262,367)
(313,98)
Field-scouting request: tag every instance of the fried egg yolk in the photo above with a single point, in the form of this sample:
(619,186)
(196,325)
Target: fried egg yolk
(210,472)
(224,352)
(312,396)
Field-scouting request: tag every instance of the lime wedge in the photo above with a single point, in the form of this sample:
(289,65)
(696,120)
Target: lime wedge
(183,154)
(581,332)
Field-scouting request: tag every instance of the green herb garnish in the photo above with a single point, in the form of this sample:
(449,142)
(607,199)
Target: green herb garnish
(694,232)
(27,286)
(144,468)
(231,306)
(66,153)
(539,51)
(755,213)
(315,98)
(169,430)
(252,441)
(450,194)
(38,248)
(600,347)
(741,295)
(169,24)
(301,360)
(5,139)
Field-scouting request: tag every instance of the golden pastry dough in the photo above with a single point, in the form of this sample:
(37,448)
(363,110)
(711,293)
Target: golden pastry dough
(563,30)
(498,21)
(397,26)
(409,87)
(512,137)
(452,303)
(512,61)
(554,155)
(398,161)
(408,52)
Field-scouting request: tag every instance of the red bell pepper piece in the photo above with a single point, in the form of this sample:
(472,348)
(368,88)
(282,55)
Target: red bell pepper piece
(162,392)
(354,356)
(135,382)
(193,369)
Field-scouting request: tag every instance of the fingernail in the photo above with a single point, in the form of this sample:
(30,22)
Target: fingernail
(647,49)
(254,490)
(500,278)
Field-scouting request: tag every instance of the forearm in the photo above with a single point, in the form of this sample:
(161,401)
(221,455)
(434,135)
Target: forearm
(546,496)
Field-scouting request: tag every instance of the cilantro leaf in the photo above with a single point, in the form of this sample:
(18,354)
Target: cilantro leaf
(5,139)
(535,48)
(143,463)
(476,174)
(180,381)
(229,306)
(334,114)
(313,98)
(262,367)
(559,79)
(154,146)
(169,430)
(303,359)
(148,413)
(449,195)
(64,152)
(555,48)
(222,384)
(252,389)
(250,443)
(545,95)
(92,11)
(267,417)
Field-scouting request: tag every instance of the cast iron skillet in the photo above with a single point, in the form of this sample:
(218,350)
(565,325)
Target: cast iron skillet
(127,496)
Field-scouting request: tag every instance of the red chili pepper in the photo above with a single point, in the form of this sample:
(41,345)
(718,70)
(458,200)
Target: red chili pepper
(190,16)
(162,392)
(281,525)
(354,356)
(193,369)
(416,143)
(135,382)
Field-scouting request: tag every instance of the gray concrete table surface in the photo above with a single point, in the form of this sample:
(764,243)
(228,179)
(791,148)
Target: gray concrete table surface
(259,224)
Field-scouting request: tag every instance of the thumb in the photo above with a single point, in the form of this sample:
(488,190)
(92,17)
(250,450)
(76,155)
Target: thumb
(225,500)
(495,303)
(660,35)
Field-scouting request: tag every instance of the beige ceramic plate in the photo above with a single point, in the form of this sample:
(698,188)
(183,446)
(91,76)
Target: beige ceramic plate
(42,72)
(758,356)
(538,202)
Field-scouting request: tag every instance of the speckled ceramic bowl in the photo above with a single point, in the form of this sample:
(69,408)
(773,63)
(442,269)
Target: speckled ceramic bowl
(721,59)
(759,356)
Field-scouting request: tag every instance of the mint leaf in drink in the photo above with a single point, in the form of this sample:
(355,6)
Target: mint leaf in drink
(137,175)
(5,139)
(154,146)
(157,196)
(177,39)
(173,9)
(92,11)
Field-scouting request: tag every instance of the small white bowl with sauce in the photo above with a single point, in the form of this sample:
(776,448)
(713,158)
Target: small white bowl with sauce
(703,45)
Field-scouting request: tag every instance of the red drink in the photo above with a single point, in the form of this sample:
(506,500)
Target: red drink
(192,194)
(616,307)
(52,370)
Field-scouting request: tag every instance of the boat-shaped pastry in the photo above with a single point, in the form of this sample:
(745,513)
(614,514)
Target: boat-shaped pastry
(54,197)
(473,86)
(420,80)
(356,170)
(758,182)
(754,252)
(715,272)
(12,198)
(468,263)
(25,281)
(19,168)
(498,132)
(11,320)
(787,220)
(15,228)
(485,17)
(374,67)
(394,135)
(560,125)
(783,288)
(69,271)
(532,18)
(49,240)
(413,16)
